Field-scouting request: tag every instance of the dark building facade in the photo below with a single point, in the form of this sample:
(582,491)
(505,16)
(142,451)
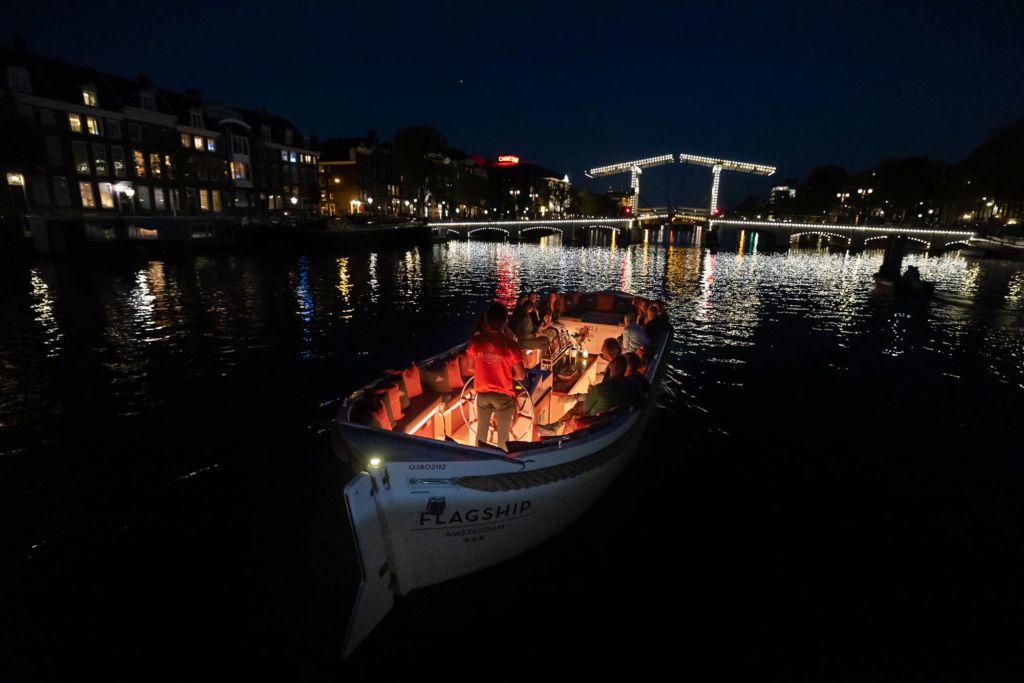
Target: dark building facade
(99,158)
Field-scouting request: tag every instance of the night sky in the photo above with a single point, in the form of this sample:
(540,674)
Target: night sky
(577,85)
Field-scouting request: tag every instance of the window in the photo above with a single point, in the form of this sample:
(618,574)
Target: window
(265,132)
(117,154)
(53,155)
(137,232)
(16,179)
(40,196)
(148,100)
(94,125)
(175,203)
(113,128)
(106,195)
(284,155)
(142,196)
(140,163)
(240,144)
(186,140)
(159,203)
(215,198)
(211,145)
(88,200)
(168,166)
(204,200)
(291,157)
(190,198)
(154,165)
(196,117)
(61,197)
(81,156)
(198,142)
(17,79)
(203,231)
(287,136)
(99,156)
(47,117)
(75,121)
(99,233)
(239,170)
(89,97)
(134,131)
(25,111)
(201,172)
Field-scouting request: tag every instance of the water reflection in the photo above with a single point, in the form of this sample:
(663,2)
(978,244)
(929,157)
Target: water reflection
(43,308)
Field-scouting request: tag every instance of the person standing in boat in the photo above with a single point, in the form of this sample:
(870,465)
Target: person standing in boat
(496,361)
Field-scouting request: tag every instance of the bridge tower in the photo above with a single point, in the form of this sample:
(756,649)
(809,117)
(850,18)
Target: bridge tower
(635,169)
(719,165)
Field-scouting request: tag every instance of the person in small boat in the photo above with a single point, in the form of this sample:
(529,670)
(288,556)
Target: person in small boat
(553,306)
(911,279)
(535,314)
(610,349)
(496,361)
(635,370)
(518,312)
(633,336)
(615,392)
(530,338)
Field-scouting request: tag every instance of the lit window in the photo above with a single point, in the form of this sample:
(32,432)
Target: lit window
(140,163)
(168,166)
(239,170)
(142,196)
(113,128)
(197,142)
(159,202)
(75,121)
(204,200)
(117,154)
(284,155)
(89,97)
(291,157)
(215,197)
(211,145)
(81,155)
(186,140)
(99,155)
(106,195)
(154,165)
(94,125)
(136,232)
(134,131)
(16,179)
(88,200)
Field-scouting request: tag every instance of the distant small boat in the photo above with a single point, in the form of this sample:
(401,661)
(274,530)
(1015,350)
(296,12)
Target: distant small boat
(428,504)
(998,247)
(900,288)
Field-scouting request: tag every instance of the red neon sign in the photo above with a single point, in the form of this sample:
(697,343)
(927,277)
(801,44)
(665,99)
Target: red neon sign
(508,159)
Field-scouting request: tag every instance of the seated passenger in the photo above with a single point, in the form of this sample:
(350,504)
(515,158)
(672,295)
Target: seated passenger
(616,392)
(657,320)
(633,336)
(635,371)
(553,306)
(610,350)
(524,331)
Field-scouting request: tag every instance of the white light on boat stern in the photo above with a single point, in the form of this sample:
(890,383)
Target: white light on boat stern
(375,463)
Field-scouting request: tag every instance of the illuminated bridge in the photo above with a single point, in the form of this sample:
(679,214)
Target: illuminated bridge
(731,233)
(571,230)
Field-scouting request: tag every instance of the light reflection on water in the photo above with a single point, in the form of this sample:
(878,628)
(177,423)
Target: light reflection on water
(160,353)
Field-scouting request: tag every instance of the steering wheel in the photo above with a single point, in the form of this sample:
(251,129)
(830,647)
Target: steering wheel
(522,407)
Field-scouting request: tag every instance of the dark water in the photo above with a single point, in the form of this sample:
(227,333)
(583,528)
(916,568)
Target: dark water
(832,486)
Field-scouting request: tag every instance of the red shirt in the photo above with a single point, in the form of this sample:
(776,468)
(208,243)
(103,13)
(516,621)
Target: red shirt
(494,355)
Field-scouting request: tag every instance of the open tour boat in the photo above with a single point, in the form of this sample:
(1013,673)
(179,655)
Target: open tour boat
(429,505)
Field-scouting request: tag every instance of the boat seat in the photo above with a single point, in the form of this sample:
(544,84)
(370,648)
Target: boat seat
(420,407)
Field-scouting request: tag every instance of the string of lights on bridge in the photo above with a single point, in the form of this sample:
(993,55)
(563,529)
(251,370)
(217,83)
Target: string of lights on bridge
(885,230)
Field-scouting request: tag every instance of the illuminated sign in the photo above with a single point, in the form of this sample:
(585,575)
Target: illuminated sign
(508,159)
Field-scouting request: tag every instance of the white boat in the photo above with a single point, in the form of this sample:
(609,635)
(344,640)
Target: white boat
(427,505)
(991,245)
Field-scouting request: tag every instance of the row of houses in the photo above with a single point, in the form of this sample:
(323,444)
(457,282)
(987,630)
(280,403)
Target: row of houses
(89,157)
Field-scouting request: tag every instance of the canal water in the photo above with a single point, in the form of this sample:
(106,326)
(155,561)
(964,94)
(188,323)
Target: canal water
(832,484)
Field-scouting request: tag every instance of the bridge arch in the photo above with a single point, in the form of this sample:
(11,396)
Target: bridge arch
(543,227)
(488,228)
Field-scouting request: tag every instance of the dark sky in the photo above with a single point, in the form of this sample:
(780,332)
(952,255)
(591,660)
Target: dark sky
(573,85)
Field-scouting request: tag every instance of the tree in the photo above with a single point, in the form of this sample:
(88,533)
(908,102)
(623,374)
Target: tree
(418,150)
